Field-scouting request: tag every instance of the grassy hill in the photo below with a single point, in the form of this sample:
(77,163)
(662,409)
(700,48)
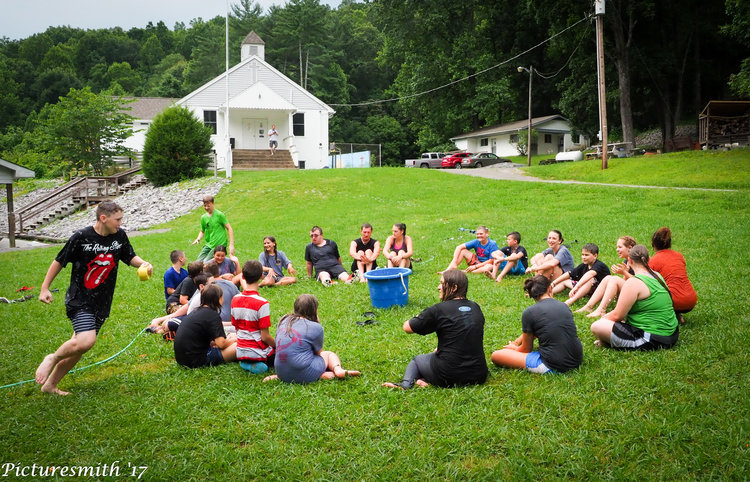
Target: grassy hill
(676,414)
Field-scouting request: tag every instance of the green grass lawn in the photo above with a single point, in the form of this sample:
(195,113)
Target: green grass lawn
(713,169)
(677,414)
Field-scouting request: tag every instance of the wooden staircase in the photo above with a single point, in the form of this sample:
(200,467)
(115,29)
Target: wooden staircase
(261,160)
(79,193)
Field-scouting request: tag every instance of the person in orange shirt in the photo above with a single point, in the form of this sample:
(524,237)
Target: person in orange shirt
(671,265)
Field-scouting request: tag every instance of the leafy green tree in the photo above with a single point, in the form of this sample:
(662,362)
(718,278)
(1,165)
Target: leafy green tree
(122,74)
(177,147)
(151,52)
(58,57)
(207,53)
(84,130)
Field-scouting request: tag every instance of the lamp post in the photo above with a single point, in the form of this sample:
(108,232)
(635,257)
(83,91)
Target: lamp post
(530,70)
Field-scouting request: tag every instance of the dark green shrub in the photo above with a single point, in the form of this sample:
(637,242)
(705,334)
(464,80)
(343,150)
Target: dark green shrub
(177,147)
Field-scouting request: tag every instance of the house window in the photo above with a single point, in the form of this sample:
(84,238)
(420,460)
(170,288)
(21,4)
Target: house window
(298,124)
(484,142)
(514,138)
(548,138)
(209,119)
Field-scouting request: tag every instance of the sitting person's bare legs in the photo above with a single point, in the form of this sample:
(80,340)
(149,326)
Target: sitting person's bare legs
(613,288)
(333,367)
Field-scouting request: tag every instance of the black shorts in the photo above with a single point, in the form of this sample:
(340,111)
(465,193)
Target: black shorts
(85,321)
(334,271)
(628,337)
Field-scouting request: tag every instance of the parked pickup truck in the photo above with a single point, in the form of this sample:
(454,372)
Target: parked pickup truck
(428,159)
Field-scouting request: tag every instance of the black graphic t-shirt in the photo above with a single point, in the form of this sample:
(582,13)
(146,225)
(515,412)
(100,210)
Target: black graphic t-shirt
(94,272)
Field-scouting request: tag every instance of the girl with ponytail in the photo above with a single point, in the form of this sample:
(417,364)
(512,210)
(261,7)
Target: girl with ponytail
(643,318)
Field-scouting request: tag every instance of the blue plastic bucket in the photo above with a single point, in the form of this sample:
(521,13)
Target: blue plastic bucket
(388,286)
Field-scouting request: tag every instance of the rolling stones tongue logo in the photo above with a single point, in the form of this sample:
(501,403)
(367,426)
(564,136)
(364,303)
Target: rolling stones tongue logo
(98,270)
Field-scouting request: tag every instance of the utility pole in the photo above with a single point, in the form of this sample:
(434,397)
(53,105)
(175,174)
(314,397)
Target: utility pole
(530,70)
(599,13)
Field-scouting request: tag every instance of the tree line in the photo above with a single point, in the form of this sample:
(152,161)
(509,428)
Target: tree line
(407,74)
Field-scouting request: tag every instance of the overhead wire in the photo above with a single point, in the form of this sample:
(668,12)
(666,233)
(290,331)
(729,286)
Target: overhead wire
(463,79)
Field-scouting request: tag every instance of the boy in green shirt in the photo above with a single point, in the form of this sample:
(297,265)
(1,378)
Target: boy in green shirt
(216,229)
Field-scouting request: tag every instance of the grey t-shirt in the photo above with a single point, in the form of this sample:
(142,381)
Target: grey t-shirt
(278,262)
(551,321)
(297,359)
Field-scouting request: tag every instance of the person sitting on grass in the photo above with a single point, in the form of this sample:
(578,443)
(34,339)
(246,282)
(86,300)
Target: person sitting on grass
(174,275)
(553,261)
(229,266)
(300,357)
(398,248)
(459,325)
(251,317)
(274,262)
(185,290)
(323,256)
(486,251)
(169,323)
(201,340)
(607,290)
(551,322)
(514,258)
(644,318)
(228,288)
(364,252)
(671,265)
(584,278)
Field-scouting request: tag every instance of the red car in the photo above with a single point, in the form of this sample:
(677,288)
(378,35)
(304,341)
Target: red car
(455,160)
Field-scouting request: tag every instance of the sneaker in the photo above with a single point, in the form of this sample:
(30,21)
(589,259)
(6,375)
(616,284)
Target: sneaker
(327,283)
(254,367)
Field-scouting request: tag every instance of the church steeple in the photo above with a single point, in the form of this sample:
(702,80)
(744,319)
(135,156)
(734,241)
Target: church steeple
(253,45)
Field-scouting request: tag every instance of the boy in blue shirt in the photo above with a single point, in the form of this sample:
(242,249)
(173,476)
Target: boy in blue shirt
(174,275)
(481,260)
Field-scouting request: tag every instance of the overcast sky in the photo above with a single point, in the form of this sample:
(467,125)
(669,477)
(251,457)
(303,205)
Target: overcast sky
(23,18)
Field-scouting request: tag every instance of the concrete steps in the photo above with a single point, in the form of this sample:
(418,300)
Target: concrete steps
(261,160)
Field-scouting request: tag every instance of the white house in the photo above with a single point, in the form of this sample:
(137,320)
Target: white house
(554,135)
(143,110)
(254,96)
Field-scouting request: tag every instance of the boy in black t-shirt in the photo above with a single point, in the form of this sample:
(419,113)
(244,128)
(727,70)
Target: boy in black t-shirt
(95,252)
(515,260)
(584,278)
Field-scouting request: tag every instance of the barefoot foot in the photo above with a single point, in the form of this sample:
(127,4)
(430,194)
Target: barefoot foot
(45,368)
(55,391)
(392,385)
(595,314)
(271,377)
(421,383)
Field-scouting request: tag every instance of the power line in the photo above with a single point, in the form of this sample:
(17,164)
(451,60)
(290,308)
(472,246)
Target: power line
(410,96)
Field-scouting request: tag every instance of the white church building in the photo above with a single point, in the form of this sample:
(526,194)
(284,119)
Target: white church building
(253,96)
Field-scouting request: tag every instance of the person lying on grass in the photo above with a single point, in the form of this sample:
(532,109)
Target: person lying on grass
(201,340)
(584,278)
(481,261)
(551,322)
(459,325)
(553,261)
(671,265)
(607,290)
(644,318)
(300,357)
(95,253)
